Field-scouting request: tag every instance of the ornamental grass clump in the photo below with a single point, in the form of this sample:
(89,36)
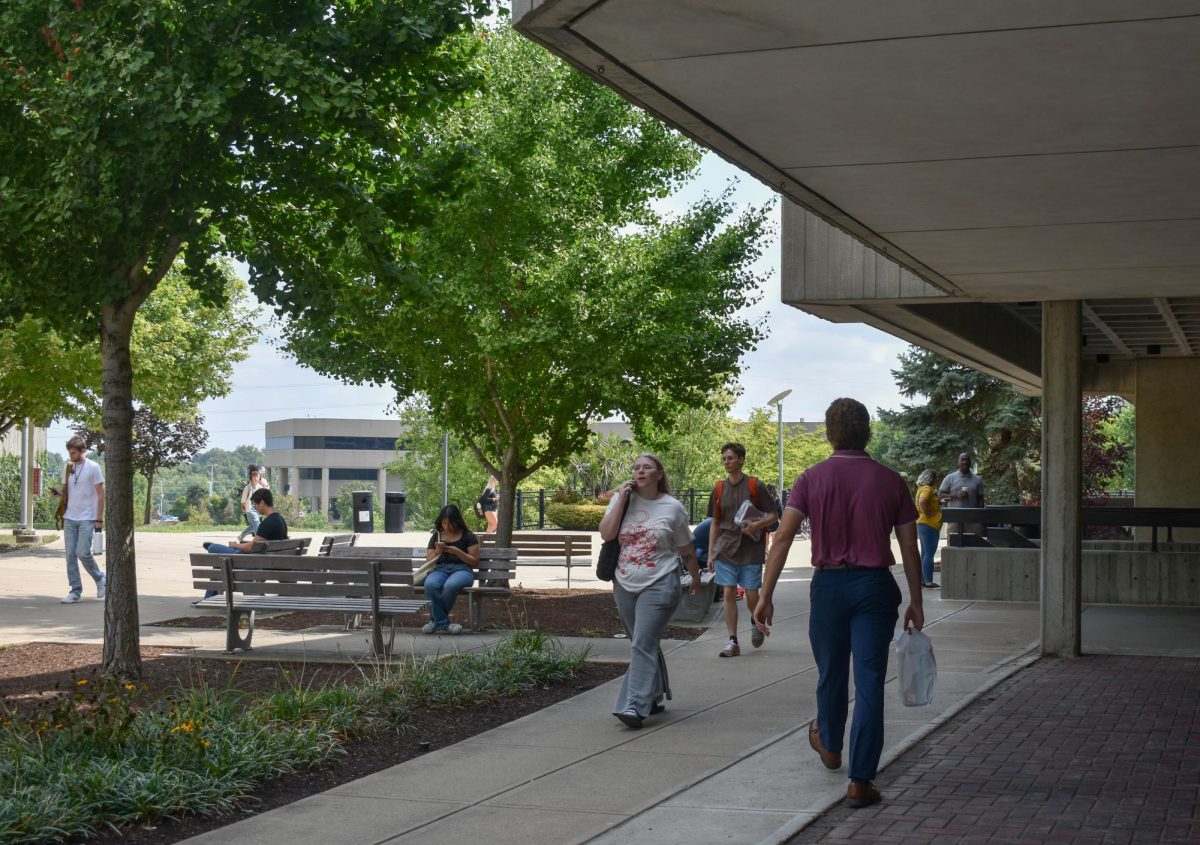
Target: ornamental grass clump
(96,759)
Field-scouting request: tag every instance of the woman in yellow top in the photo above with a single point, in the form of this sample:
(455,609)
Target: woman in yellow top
(929,525)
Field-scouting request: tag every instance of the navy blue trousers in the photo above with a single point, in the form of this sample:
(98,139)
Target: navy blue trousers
(853,615)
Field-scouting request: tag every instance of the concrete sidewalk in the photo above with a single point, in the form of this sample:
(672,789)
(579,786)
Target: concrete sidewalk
(728,762)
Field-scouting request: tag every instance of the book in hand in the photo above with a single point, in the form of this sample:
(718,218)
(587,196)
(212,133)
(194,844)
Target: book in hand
(748,513)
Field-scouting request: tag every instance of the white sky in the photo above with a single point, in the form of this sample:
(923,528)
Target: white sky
(819,361)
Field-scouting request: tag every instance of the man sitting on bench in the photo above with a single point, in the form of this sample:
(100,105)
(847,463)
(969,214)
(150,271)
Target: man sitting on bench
(271,527)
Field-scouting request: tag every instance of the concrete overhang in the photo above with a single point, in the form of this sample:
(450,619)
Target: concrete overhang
(996,153)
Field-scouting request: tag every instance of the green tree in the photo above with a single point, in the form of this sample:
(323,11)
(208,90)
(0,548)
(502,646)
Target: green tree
(964,411)
(182,350)
(420,468)
(158,444)
(801,449)
(41,377)
(602,464)
(690,444)
(134,133)
(1121,430)
(968,411)
(554,292)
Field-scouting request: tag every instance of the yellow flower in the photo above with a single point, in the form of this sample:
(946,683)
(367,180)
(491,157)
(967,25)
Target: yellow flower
(130,687)
(204,742)
(82,682)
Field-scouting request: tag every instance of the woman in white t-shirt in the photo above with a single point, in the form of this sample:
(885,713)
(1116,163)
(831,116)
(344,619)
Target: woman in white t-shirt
(654,538)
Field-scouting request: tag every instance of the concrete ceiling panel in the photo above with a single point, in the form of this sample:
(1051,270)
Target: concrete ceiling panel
(1098,246)
(1024,92)
(1116,283)
(637,30)
(1016,191)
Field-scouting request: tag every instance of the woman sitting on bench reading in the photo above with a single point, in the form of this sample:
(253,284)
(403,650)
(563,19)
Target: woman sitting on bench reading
(456,550)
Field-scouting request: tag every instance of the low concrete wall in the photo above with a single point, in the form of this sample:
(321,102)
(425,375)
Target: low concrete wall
(1109,576)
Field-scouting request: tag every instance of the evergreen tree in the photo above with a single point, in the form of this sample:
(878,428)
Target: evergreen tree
(964,411)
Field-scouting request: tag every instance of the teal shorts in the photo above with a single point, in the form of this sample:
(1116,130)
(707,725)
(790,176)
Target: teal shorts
(748,577)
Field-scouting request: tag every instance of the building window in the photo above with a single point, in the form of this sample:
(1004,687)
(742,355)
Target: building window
(347,474)
(374,444)
(310,473)
(335,441)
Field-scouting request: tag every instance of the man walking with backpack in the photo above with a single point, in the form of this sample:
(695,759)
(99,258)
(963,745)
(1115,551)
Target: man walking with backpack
(738,546)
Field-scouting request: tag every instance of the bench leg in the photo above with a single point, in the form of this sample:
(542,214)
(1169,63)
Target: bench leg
(379,647)
(233,637)
(475,611)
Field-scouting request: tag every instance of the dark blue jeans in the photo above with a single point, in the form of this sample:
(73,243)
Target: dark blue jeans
(929,537)
(854,613)
(218,549)
(442,586)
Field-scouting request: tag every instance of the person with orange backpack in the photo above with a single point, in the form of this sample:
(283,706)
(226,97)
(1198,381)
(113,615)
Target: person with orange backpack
(742,514)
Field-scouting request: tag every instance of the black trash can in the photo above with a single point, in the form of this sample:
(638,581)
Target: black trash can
(364,513)
(393,512)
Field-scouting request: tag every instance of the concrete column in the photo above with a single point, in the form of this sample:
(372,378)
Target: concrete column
(1168,427)
(1062,458)
(382,487)
(324,506)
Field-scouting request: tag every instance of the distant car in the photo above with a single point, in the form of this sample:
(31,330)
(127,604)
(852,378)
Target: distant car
(168,518)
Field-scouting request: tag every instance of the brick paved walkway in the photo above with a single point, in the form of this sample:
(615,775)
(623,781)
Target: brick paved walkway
(1095,750)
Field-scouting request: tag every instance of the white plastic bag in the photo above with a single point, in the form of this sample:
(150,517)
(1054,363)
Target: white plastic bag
(98,542)
(916,668)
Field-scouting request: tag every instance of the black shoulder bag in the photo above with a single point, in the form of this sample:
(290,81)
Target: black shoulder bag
(610,551)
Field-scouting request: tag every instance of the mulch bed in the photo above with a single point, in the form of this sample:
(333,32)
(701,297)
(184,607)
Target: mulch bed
(564,613)
(33,673)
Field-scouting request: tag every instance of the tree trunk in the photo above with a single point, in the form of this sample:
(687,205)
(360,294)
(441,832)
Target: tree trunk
(122,657)
(508,500)
(149,497)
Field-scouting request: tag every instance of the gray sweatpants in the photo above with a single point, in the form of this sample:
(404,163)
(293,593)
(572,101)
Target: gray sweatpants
(645,616)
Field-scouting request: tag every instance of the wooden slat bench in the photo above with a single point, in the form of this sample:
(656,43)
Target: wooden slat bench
(493,575)
(336,544)
(253,582)
(282,547)
(548,548)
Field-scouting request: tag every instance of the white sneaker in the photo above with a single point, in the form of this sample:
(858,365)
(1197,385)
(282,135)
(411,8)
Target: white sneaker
(427,628)
(72,598)
(102,587)
(454,628)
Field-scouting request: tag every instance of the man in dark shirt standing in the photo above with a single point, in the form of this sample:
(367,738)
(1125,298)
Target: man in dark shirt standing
(962,489)
(270,527)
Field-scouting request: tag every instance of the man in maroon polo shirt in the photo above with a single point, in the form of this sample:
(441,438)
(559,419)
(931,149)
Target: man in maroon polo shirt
(853,504)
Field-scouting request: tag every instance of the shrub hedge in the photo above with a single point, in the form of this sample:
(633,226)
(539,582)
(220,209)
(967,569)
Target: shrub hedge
(575,517)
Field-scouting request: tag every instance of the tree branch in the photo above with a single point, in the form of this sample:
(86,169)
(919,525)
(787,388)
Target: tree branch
(494,394)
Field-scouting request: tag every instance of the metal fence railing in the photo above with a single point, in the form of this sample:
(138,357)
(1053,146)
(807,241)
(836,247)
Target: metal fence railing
(530,511)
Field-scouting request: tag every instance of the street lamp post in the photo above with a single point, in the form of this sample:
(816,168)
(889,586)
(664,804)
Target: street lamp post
(445,467)
(777,401)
